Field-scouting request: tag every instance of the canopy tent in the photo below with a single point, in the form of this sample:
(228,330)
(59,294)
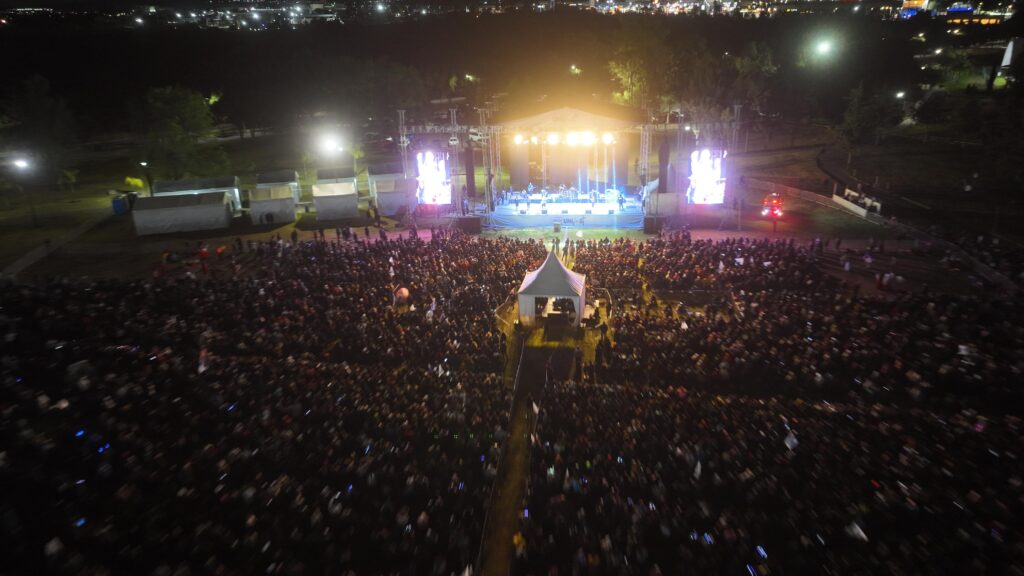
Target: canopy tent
(336,201)
(551,280)
(182,213)
(393,193)
(278,178)
(558,115)
(272,205)
(228,185)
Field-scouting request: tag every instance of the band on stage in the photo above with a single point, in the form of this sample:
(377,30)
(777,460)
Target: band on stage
(534,196)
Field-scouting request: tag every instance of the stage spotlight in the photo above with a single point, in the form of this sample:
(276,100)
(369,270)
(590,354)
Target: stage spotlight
(518,139)
(554,139)
(589,139)
(572,138)
(534,140)
(607,138)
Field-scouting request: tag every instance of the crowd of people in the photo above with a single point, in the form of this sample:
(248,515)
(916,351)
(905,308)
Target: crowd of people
(316,408)
(665,480)
(792,425)
(339,407)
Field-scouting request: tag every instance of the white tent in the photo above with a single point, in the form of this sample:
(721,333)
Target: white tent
(272,205)
(336,201)
(392,193)
(182,213)
(551,280)
(227,184)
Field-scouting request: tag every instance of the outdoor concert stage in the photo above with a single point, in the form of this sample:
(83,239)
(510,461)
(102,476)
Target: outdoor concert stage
(570,215)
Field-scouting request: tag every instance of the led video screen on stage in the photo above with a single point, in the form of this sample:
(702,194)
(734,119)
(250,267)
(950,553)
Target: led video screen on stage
(432,175)
(707,177)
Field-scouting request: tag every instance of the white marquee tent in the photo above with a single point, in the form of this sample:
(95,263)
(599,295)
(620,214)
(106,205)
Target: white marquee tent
(551,280)
(336,201)
(272,205)
(182,213)
(392,193)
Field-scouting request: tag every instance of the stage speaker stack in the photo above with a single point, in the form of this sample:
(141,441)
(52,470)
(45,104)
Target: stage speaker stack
(470,172)
(653,224)
(468,224)
(663,167)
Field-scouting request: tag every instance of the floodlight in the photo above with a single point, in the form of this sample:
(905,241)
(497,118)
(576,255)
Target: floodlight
(823,47)
(330,144)
(607,138)
(380,7)
(938,51)
(901,94)
(554,139)
(138,20)
(21,164)
(588,138)
(572,139)
(517,139)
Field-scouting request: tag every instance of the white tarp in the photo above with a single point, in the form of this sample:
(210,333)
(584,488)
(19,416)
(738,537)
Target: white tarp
(393,193)
(336,201)
(181,213)
(551,280)
(274,205)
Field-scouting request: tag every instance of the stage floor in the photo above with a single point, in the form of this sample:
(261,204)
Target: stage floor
(569,215)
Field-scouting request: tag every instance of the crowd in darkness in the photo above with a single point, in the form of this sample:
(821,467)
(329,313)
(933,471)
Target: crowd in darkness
(338,407)
(288,412)
(792,425)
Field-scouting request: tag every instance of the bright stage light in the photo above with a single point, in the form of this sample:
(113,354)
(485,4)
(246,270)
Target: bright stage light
(607,138)
(517,139)
(588,138)
(534,140)
(572,138)
(554,139)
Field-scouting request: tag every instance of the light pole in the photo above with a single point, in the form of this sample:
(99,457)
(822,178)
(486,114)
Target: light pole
(22,166)
(149,177)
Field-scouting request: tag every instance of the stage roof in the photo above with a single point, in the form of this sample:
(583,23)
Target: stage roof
(559,116)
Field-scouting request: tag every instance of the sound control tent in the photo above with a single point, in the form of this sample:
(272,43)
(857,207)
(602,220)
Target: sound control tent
(552,281)
(393,193)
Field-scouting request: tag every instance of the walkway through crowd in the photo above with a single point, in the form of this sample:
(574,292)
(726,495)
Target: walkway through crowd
(536,365)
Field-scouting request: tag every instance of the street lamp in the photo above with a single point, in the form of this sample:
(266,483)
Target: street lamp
(575,70)
(148,175)
(900,95)
(823,47)
(22,165)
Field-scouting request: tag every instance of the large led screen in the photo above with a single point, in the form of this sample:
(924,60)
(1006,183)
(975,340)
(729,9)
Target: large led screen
(707,177)
(432,175)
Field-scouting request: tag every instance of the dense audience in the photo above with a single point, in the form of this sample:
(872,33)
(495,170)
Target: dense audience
(649,480)
(338,407)
(325,408)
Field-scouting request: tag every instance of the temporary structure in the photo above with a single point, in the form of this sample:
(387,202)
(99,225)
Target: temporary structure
(392,193)
(278,178)
(551,280)
(336,201)
(227,184)
(272,205)
(167,214)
